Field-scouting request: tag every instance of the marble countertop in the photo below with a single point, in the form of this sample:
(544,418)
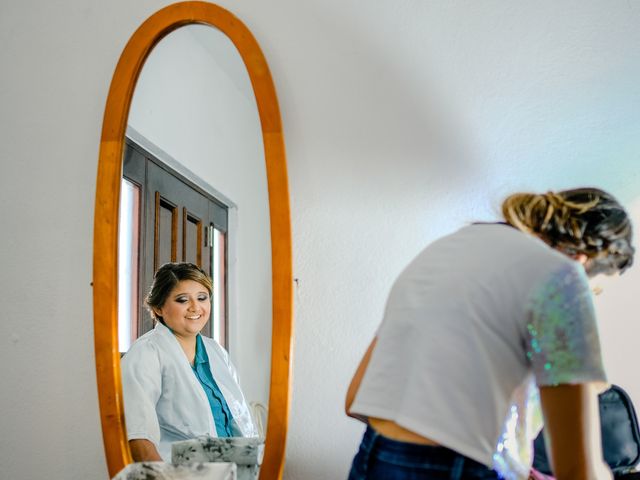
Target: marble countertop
(239,450)
(167,471)
(203,458)
(246,452)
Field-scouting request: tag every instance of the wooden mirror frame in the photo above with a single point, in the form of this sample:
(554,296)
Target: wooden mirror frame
(105,244)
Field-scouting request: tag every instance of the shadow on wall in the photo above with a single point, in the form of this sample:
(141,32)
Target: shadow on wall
(383,113)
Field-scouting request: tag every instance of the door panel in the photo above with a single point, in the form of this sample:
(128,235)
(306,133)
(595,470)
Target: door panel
(192,238)
(165,232)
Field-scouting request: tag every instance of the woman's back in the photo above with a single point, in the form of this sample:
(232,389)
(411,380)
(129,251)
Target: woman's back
(466,325)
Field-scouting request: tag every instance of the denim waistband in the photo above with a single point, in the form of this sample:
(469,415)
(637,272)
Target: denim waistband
(406,454)
(372,436)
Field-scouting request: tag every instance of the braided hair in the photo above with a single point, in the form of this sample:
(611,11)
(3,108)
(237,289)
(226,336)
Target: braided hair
(585,221)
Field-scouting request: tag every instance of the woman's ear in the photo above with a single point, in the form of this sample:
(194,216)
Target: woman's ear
(587,263)
(157,312)
(581,258)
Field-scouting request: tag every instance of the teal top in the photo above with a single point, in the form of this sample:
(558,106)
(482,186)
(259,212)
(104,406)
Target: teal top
(219,408)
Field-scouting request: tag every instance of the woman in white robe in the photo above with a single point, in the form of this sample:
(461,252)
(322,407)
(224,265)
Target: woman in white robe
(178,384)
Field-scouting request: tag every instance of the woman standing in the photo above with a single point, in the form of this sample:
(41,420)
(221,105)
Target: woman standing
(472,326)
(178,384)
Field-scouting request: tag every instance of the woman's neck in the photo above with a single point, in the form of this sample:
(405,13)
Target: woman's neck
(188,345)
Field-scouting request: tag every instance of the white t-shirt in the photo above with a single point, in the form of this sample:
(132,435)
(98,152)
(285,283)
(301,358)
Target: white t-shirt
(469,325)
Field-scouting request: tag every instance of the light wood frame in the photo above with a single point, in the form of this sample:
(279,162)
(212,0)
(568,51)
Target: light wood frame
(105,246)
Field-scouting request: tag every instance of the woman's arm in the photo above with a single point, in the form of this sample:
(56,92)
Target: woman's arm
(142,388)
(355,381)
(144,451)
(572,431)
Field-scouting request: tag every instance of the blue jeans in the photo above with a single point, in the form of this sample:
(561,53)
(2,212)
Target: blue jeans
(381,458)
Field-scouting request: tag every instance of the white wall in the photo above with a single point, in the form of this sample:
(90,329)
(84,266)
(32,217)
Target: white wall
(533,95)
(402,119)
(194,101)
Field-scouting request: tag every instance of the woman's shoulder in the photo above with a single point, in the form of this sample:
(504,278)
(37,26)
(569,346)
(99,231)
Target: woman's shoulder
(144,347)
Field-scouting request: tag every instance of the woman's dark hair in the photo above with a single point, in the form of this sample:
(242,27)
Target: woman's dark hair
(166,279)
(586,221)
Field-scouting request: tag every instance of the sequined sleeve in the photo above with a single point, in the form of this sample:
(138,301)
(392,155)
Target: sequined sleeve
(562,336)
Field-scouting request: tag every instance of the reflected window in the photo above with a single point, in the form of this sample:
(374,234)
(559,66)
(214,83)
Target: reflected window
(219,310)
(128,256)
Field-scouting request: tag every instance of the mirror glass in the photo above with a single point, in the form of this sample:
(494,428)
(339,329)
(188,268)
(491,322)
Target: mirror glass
(194,189)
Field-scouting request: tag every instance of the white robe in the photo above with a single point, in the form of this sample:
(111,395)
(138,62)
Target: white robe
(163,400)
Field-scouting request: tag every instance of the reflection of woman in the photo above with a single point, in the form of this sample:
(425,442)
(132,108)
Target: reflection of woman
(178,384)
(472,326)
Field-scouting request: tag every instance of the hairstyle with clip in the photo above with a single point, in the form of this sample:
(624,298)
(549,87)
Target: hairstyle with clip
(167,278)
(586,221)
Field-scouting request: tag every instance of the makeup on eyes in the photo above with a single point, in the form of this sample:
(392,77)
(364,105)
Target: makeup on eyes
(183,298)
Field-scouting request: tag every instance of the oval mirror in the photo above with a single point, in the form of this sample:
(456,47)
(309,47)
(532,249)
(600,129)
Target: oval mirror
(203,180)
